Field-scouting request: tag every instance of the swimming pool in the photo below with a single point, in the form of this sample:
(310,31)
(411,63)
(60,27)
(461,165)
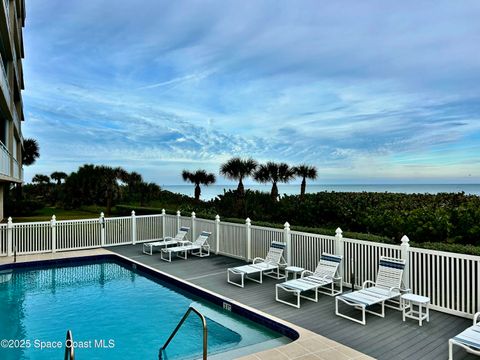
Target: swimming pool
(114,311)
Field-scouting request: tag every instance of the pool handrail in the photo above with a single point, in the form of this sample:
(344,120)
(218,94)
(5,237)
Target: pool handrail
(174,332)
(69,350)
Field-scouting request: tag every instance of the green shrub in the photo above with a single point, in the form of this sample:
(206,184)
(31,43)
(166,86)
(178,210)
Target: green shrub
(456,248)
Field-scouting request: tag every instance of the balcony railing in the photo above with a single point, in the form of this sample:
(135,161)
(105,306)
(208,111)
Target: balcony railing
(4,160)
(9,166)
(17,171)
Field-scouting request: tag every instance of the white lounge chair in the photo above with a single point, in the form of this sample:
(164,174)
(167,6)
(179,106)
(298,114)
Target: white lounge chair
(270,266)
(468,339)
(386,287)
(325,276)
(166,241)
(199,247)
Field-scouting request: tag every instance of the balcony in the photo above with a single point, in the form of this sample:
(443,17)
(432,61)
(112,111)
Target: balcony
(9,166)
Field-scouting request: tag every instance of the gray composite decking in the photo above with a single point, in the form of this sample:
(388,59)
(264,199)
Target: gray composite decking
(382,338)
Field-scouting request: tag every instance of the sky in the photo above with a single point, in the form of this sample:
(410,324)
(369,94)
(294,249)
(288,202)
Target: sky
(368,92)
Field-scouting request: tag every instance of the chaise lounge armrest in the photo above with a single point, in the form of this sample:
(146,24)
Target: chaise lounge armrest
(368,282)
(259,260)
(392,289)
(306,273)
(476,318)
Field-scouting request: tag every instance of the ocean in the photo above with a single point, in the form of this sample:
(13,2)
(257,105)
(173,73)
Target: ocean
(210,192)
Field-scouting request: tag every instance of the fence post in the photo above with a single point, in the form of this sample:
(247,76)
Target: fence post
(248,226)
(217,233)
(53,225)
(178,220)
(339,248)
(193,225)
(405,256)
(9,237)
(134,228)
(288,242)
(102,228)
(163,223)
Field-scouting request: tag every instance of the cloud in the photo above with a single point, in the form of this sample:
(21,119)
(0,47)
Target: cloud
(361,91)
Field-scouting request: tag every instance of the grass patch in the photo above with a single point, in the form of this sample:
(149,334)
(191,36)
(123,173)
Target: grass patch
(46,214)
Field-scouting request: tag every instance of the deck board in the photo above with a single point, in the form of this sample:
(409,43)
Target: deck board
(383,338)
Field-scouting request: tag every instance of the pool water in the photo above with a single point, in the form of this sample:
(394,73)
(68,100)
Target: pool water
(113,313)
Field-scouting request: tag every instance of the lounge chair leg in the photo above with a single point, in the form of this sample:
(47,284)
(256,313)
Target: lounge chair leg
(362,307)
(242,283)
(295,293)
(450,350)
(169,256)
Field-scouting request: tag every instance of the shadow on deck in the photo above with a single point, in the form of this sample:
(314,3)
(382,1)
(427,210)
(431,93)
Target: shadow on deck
(383,338)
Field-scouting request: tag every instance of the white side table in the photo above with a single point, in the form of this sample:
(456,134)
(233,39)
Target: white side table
(408,301)
(295,270)
(183,242)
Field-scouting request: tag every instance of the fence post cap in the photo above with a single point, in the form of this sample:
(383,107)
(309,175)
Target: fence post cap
(54,217)
(217,217)
(405,240)
(248,221)
(193,213)
(338,232)
(133,212)
(102,214)
(286,225)
(178,212)
(9,220)
(163,211)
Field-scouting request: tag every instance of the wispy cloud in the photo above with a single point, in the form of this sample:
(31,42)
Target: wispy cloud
(182,79)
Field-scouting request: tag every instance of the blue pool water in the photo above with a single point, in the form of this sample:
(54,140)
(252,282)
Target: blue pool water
(131,313)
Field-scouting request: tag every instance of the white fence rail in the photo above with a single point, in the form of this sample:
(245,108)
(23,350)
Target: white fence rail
(261,238)
(3,240)
(149,227)
(118,231)
(77,234)
(31,238)
(450,280)
(307,248)
(233,240)
(361,259)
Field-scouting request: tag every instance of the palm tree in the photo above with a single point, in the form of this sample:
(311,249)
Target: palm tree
(109,178)
(238,169)
(31,152)
(197,178)
(58,176)
(41,179)
(134,182)
(305,172)
(274,173)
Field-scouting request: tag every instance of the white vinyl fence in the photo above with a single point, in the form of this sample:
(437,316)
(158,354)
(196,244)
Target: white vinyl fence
(452,281)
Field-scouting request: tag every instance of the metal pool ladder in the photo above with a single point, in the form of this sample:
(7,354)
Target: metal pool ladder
(69,351)
(205,334)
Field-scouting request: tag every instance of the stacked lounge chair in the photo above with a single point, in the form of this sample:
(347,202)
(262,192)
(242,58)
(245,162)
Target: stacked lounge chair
(199,247)
(270,266)
(325,276)
(387,287)
(468,339)
(166,241)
